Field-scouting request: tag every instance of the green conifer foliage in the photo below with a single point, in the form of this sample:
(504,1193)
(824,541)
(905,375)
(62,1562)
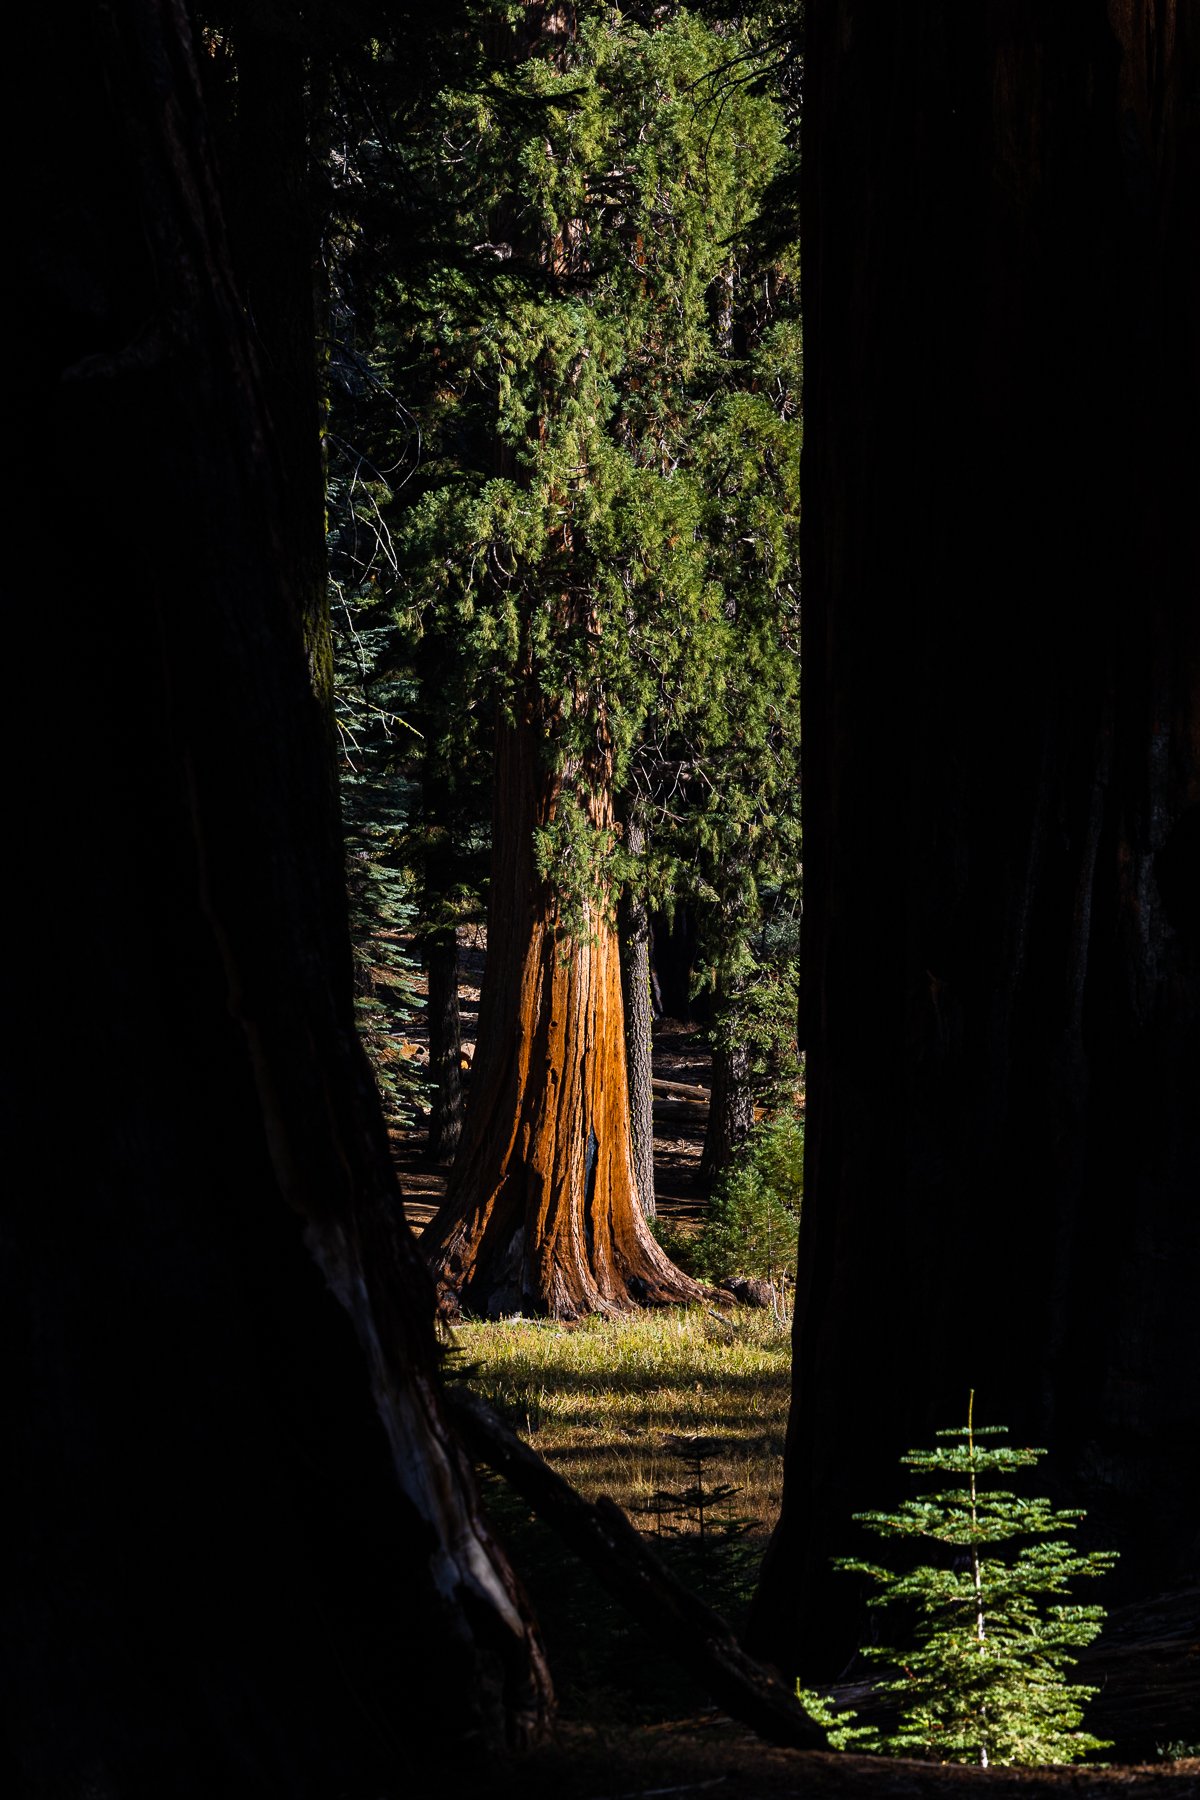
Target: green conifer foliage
(984,1679)
(586,507)
(371,704)
(599,522)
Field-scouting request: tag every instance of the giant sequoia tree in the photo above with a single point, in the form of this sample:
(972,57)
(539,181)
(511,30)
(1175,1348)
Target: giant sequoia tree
(248,1547)
(607,177)
(1001,966)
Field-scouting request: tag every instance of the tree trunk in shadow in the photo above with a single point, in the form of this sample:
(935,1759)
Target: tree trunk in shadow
(542,1214)
(673,960)
(633,925)
(251,1549)
(731,1109)
(1000,990)
(445,1045)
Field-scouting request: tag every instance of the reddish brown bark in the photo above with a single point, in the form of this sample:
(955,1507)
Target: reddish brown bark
(542,1214)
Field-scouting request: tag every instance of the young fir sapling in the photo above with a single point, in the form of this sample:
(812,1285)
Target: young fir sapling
(984,1678)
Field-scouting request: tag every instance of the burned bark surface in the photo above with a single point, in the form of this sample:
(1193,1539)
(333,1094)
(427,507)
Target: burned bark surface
(1000,979)
(542,1213)
(249,1550)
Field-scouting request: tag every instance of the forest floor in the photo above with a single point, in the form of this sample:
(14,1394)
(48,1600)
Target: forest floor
(711,1756)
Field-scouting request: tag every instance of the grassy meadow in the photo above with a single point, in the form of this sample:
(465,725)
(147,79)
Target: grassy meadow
(617,1406)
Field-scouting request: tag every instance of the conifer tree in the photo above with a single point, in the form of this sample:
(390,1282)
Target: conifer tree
(563,536)
(583,514)
(985,1677)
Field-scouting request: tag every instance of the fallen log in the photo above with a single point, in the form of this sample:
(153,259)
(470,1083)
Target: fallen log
(602,1536)
(665,1107)
(680,1090)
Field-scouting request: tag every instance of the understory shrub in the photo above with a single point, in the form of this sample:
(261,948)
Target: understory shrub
(754,1214)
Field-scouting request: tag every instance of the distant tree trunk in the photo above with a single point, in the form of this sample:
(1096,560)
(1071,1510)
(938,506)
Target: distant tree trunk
(633,924)
(731,1108)
(542,1213)
(439,936)
(445,1044)
(673,960)
(1000,986)
(249,1547)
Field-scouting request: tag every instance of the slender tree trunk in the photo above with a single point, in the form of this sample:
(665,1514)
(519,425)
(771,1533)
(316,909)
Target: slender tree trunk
(673,961)
(445,1044)
(249,1547)
(439,938)
(542,1214)
(633,924)
(731,1109)
(1000,990)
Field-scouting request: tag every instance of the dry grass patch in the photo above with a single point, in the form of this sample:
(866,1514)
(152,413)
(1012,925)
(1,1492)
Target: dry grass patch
(603,1401)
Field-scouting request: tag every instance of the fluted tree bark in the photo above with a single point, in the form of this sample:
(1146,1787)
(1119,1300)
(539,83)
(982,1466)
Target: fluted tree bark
(543,1213)
(1000,982)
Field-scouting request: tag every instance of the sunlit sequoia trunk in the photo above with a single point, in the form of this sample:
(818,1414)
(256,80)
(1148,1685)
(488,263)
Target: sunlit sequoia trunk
(1000,988)
(542,1214)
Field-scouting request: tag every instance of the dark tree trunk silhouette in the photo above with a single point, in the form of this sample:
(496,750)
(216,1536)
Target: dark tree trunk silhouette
(440,950)
(731,1108)
(673,962)
(633,926)
(542,1212)
(249,1545)
(445,823)
(1001,959)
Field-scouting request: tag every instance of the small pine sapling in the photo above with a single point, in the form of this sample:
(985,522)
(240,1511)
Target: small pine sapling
(984,1681)
(697,1502)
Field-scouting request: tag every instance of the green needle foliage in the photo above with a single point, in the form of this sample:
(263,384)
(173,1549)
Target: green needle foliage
(564,454)
(601,381)
(370,707)
(984,1680)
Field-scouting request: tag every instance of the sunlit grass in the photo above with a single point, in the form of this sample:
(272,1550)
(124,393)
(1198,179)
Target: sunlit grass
(603,1400)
